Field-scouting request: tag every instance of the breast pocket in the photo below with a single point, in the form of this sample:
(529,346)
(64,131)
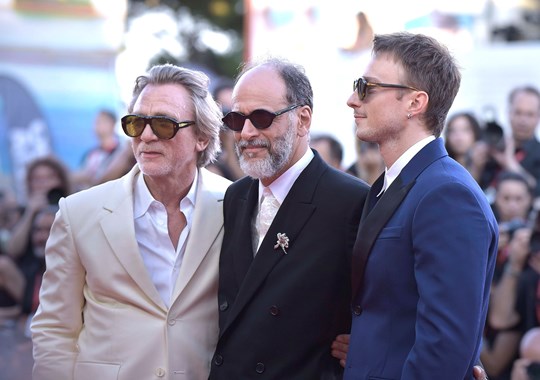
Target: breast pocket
(390,233)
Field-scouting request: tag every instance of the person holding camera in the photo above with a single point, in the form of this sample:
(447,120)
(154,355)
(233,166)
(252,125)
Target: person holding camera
(512,206)
(513,306)
(527,367)
(519,152)
(47,179)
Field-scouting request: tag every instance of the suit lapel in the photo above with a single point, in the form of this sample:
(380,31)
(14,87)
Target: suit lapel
(243,242)
(119,230)
(293,214)
(206,226)
(372,223)
(374,220)
(371,199)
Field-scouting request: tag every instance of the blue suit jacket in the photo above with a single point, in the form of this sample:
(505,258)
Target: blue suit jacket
(422,269)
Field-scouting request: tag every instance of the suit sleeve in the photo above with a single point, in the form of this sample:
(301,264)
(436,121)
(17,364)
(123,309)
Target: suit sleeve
(58,320)
(452,238)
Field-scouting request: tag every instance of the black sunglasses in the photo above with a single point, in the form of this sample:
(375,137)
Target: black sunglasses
(261,119)
(361,85)
(163,127)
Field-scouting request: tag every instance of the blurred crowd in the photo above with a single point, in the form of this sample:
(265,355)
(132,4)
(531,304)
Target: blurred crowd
(505,161)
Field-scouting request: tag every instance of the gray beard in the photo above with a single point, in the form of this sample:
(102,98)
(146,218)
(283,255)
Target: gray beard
(280,152)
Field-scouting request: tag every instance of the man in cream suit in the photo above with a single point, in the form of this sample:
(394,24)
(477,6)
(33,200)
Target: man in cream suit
(130,290)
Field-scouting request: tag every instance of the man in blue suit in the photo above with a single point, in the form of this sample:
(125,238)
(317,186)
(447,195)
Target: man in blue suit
(425,254)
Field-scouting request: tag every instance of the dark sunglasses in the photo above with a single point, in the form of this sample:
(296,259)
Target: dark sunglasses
(163,127)
(361,85)
(261,119)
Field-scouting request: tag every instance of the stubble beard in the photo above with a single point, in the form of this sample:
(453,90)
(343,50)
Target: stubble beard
(279,154)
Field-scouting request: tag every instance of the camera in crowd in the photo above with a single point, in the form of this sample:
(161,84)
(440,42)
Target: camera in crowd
(493,133)
(534,243)
(511,227)
(533,371)
(54,195)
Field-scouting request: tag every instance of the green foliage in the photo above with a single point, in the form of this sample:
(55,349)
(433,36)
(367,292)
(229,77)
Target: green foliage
(224,15)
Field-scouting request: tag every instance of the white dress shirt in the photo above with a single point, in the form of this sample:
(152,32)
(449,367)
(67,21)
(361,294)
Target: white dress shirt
(391,174)
(280,188)
(157,251)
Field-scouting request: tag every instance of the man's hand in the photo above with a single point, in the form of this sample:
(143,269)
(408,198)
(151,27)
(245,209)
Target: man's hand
(340,347)
(479,373)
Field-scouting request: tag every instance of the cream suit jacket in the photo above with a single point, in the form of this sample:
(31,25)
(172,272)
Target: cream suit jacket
(101,317)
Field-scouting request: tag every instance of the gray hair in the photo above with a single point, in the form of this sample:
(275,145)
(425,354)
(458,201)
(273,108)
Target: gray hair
(207,113)
(528,89)
(298,86)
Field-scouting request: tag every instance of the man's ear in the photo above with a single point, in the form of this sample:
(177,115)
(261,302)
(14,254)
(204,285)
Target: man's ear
(202,143)
(304,121)
(418,103)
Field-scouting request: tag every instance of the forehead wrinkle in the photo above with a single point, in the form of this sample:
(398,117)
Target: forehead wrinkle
(161,101)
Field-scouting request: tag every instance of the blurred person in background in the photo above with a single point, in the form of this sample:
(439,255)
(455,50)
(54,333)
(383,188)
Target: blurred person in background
(519,152)
(512,208)
(513,198)
(130,290)
(119,165)
(527,367)
(515,298)
(47,180)
(227,164)
(461,136)
(22,287)
(96,160)
(10,276)
(10,213)
(330,149)
(516,295)
(369,163)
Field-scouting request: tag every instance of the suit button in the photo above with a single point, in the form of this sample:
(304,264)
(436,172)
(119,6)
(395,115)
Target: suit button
(259,368)
(274,310)
(357,310)
(171,322)
(160,372)
(224,306)
(218,360)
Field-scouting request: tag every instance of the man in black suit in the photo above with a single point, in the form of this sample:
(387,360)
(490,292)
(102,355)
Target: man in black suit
(284,295)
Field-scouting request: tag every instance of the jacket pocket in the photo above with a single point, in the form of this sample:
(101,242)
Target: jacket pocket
(94,370)
(390,233)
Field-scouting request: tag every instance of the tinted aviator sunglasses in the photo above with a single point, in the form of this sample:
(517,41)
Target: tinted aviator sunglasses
(163,127)
(261,119)
(361,85)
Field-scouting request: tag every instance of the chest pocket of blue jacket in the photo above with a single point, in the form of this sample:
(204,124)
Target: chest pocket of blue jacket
(390,233)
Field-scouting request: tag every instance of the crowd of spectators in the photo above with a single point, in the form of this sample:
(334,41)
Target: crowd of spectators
(505,161)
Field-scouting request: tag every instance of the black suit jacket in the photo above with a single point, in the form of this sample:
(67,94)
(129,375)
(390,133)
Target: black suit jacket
(279,313)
